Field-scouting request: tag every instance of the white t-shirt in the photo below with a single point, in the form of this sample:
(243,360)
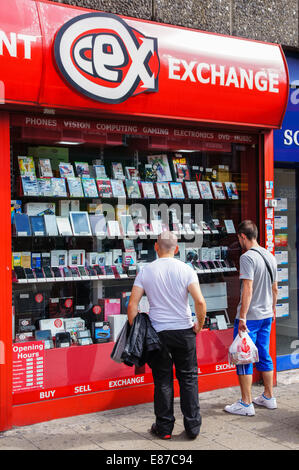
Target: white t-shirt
(165,282)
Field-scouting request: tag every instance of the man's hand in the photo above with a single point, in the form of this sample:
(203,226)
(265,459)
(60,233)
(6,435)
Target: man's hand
(242,327)
(196,328)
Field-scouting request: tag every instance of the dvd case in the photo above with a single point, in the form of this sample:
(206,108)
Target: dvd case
(183,173)
(45,168)
(148,189)
(75,187)
(89,187)
(161,167)
(118,189)
(66,170)
(231,190)
(163,190)
(117,171)
(82,169)
(192,190)
(132,189)
(30,186)
(104,187)
(100,171)
(26,166)
(218,190)
(45,187)
(59,187)
(205,189)
(132,173)
(177,190)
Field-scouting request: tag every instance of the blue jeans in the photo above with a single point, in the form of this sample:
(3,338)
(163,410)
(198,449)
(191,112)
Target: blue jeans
(259,332)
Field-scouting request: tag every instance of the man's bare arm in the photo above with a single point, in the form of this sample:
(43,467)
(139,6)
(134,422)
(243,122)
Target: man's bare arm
(135,297)
(200,305)
(274,295)
(245,303)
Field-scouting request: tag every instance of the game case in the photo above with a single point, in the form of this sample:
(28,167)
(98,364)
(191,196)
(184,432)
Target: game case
(218,190)
(45,169)
(89,187)
(148,190)
(75,187)
(45,187)
(66,170)
(100,171)
(118,189)
(163,190)
(26,166)
(177,190)
(132,188)
(59,187)
(132,173)
(104,187)
(82,169)
(30,186)
(205,189)
(117,171)
(192,190)
(231,190)
(160,166)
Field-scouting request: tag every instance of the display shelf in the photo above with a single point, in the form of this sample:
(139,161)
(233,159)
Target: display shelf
(113,199)
(109,278)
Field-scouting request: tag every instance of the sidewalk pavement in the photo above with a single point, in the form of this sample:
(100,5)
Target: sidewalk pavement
(128,428)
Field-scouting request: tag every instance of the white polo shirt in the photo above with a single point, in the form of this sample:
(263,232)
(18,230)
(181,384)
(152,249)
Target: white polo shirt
(165,282)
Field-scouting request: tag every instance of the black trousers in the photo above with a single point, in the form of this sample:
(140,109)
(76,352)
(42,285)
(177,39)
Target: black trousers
(179,350)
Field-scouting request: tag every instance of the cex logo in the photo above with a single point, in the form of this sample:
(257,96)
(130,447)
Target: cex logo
(101,56)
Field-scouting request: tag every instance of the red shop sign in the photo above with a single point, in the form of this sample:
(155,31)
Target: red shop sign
(77,59)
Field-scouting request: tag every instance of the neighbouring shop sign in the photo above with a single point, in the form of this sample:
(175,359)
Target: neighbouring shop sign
(72,58)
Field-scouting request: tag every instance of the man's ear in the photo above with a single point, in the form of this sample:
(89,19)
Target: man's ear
(156,247)
(176,249)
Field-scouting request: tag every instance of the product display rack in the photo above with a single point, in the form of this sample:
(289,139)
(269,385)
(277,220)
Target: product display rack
(211,259)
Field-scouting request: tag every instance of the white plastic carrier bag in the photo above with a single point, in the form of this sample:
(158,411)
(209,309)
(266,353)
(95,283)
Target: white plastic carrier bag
(243,350)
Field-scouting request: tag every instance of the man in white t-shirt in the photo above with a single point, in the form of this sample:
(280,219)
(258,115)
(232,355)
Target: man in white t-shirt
(167,283)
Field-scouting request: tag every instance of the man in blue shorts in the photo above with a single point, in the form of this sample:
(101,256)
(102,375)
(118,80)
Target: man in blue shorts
(258,272)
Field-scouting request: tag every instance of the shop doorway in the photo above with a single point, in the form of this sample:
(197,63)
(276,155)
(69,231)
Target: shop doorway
(286,180)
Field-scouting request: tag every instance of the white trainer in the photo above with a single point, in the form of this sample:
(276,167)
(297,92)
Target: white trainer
(239,408)
(269,403)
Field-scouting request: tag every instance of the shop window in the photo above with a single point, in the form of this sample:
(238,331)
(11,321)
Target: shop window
(84,221)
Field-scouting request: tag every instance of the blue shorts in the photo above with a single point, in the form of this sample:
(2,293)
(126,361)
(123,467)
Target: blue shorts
(259,332)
